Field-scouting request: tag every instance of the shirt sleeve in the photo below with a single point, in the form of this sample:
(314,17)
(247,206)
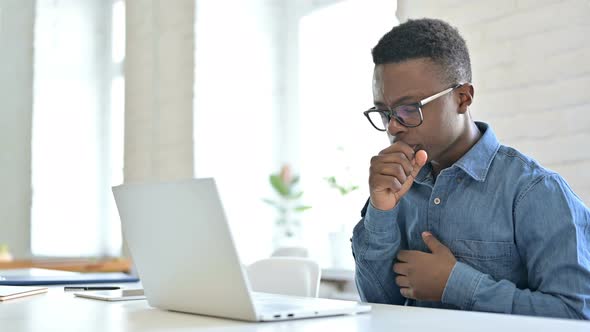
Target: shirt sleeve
(375,242)
(552,234)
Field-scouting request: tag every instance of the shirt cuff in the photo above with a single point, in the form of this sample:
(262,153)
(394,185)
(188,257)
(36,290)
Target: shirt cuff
(379,221)
(461,286)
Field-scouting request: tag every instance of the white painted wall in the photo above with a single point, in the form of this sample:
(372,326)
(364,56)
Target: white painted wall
(16,103)
(531,70)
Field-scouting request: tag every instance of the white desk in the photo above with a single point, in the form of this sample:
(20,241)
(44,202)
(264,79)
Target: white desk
(59,311)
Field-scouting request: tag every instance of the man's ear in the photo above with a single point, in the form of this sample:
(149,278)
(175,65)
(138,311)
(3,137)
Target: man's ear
(466,93)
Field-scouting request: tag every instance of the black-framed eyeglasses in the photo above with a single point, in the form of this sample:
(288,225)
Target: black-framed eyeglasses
(407,115)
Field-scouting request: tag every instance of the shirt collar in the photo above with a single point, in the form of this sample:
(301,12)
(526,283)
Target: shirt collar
(476,162)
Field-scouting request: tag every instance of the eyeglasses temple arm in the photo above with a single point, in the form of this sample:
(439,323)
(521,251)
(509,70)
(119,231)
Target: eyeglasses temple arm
(431,98)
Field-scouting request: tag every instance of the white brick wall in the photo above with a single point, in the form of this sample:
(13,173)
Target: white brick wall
(159,82)
(531,69)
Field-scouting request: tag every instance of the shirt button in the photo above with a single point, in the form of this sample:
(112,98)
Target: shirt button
(437,201)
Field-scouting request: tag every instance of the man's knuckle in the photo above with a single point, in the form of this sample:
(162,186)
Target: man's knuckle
(395,184)
(403,156)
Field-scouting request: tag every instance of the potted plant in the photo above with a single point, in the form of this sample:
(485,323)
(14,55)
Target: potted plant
(339,239)
(287,227)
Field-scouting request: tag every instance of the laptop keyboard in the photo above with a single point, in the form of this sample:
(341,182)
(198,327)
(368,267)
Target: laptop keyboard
(275,302)
(281,303)
(278,307)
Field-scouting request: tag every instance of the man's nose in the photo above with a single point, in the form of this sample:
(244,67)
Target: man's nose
(394,127)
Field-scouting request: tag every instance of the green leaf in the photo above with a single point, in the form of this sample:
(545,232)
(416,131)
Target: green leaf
(342,189)
(331,180)
(302,208)
(294,196)
(270,202)
(278,185)
(346,191)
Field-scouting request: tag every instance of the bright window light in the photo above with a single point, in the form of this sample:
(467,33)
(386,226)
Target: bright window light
(235,115)
(118,32)
(77,131)
(336,139)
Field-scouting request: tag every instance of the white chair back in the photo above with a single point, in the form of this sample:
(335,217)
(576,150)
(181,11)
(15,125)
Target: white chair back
(285,275)
(290,252)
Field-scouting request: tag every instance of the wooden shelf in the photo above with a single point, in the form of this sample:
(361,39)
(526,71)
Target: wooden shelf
(76,265)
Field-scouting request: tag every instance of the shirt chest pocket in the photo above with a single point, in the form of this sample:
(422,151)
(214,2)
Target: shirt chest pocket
(493,258)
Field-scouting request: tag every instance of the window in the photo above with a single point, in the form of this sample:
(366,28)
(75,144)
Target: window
(336,69)
(77,127)
(235,114)
(250,112)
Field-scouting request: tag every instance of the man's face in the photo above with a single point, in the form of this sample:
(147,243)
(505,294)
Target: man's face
(408,82)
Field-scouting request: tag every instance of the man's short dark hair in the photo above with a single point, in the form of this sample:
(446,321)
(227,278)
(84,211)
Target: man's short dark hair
(426,38)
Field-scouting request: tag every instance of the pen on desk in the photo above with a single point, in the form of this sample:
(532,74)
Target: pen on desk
(88,288)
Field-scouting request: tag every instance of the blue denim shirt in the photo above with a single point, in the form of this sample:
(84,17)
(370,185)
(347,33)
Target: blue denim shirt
(520,234)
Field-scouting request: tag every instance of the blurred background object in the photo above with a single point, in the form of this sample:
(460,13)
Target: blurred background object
(5,255)
(287,228)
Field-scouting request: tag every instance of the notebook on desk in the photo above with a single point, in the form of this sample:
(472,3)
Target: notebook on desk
(183,250)
(13,292)
(35,276)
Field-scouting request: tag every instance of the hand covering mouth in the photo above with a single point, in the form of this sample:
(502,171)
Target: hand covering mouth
(415,147)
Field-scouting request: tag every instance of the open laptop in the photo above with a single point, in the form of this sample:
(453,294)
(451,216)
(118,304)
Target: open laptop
(181,244)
